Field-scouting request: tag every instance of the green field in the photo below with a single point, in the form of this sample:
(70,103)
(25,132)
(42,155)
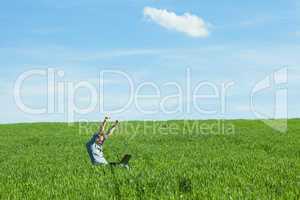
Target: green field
(171,160)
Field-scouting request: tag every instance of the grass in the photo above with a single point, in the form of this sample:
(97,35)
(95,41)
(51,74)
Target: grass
(171,160)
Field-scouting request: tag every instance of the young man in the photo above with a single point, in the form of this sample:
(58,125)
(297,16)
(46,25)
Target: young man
(96,146)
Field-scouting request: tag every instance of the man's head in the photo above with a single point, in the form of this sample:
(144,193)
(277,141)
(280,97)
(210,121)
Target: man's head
(100,138)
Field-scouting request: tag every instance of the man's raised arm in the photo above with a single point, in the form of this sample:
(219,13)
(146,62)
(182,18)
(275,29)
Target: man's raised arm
(102,126)
(112,128)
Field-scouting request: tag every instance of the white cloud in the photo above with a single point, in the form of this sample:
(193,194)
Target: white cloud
(187,23)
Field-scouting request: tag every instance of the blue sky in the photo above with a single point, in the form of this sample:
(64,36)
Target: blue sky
(246,41)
